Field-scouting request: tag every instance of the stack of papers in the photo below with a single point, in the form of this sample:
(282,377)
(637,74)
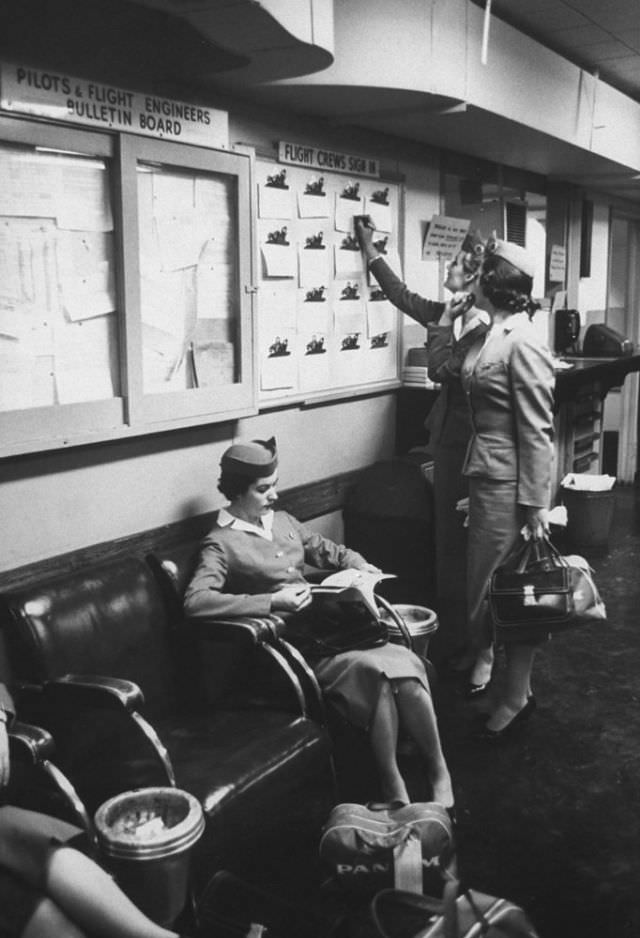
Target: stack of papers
(584,482)
(418,377)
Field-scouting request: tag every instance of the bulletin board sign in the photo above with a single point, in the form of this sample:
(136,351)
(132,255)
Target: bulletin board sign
(59,96)
(320,159)
(324,325)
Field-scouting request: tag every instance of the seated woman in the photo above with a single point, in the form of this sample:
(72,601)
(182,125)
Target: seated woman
(48,887)
(252,563)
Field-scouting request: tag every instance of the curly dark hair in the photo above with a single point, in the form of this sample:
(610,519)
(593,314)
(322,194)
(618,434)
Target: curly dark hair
(232,484)
(471,254)
(507,287)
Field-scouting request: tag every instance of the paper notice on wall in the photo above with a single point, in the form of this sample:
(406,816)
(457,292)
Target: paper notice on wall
(444,237)
(348,203)
(557,263)
(83,197)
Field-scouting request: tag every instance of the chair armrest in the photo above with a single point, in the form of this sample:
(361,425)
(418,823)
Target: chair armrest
(245,629)
(81,692)
(94,690)
(30,744)
(34,747)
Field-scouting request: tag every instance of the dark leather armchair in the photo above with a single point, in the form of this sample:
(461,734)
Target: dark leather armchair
(100,661)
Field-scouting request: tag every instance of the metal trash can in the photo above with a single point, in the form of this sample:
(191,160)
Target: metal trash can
(421,623)
(146,837)
(589,516)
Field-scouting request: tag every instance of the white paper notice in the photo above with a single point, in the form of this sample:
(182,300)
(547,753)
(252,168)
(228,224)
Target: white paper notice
(314,360)
(82,357)
(279,364)
(379,209)
(83,198)
(314,204)
(279,260)
(444,237)
(346,207)
(557,263)
(315,265)
(275,202)
(348,260)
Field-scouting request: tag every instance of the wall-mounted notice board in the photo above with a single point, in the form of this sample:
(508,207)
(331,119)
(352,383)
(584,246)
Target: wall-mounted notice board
(324,326)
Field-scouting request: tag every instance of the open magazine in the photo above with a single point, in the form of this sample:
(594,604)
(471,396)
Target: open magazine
(351,586)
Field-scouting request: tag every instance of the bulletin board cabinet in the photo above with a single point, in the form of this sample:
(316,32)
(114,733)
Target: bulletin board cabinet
(125,285)
(325,329)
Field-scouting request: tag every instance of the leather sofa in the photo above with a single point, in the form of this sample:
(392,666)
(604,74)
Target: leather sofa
(102,659)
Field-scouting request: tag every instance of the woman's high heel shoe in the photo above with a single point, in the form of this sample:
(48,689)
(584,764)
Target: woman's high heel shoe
(475,690)
(516,721)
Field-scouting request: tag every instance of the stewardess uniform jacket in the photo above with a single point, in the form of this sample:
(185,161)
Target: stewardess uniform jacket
(509,383)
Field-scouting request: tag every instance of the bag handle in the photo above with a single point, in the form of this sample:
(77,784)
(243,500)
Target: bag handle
(535,551)
(447,908)
(399,621)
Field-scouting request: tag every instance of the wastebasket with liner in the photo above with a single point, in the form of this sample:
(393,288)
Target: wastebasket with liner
(146,836)
(590,502)
(420,622)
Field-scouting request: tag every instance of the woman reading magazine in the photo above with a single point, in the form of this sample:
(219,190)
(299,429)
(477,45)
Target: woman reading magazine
(252,563)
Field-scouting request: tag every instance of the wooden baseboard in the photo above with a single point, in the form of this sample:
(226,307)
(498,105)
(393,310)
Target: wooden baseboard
(305,502)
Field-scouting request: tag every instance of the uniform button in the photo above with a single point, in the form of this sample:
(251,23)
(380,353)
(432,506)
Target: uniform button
(290,569)
(279,553)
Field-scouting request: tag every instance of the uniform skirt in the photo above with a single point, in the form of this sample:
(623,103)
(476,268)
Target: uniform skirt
(495,522)
(352,680)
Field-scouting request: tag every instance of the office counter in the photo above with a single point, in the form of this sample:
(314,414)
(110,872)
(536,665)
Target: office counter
(579,399)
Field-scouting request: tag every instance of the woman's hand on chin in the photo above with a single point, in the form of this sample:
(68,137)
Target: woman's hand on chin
(291,598)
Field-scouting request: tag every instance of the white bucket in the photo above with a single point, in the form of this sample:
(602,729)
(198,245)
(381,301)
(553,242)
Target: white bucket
(146,837)
(421,623)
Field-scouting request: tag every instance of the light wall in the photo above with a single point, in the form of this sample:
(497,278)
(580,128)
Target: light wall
(61,501)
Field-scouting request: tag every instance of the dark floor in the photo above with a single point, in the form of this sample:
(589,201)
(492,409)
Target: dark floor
(551,820)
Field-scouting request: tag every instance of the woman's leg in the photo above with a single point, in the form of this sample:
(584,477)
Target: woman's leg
(494,523)
(48,921)
(76,886)
(91,899)
(383,736)
(517,685)
(418,717)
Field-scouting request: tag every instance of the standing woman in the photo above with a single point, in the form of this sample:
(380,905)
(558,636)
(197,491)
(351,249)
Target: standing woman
(508,379)
(448,422)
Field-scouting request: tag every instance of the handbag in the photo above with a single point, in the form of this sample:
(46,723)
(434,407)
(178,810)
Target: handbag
(368,847)
(471,914)
(537,591)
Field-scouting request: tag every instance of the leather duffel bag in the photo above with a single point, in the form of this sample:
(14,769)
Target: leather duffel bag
(537,591)
(459,914)
(370,847)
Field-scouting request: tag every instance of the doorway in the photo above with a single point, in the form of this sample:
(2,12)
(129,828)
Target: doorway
(623,294)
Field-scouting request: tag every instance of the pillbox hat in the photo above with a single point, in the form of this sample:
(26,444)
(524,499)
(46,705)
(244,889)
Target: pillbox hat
(253,460)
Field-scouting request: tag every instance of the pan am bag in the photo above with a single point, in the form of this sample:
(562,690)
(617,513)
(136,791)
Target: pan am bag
(370,847)
(537,591)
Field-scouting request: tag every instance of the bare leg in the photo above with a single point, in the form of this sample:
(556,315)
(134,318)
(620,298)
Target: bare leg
(383,735)
(48,921)
(483,666)
(517,687)
(78,889)
(92,899)
(418,717)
